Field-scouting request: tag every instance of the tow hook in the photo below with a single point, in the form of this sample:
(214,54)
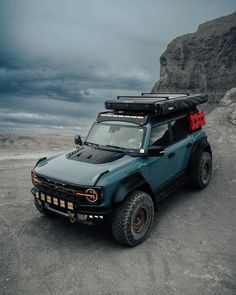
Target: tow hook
(72,216)
(40,205)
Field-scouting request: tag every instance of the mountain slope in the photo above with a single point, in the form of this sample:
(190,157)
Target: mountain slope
(204,61)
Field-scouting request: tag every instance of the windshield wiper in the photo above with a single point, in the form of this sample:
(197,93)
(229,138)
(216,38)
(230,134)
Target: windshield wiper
(116,147)
(95,145)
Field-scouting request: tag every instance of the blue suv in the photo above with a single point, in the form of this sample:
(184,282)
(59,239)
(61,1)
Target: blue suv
(136,153)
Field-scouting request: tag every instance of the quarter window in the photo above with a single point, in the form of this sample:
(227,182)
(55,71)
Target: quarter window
(160,136)
(180,129)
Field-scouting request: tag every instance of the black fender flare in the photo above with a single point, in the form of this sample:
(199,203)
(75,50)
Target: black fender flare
(128,185)
(201,145)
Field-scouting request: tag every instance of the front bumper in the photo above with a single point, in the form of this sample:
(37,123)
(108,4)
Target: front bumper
(71,210)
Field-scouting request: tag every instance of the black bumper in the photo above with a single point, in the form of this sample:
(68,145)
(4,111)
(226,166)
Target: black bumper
(91,212)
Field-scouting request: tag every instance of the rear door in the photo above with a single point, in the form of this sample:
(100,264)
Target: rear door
(181,143)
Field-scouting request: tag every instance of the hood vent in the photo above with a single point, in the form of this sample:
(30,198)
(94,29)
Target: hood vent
(91,155)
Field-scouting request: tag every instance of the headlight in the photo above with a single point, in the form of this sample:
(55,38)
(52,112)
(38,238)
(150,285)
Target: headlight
(91,195)
(35,179)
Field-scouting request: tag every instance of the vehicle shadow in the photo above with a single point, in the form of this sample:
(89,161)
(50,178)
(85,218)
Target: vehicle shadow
(58,229)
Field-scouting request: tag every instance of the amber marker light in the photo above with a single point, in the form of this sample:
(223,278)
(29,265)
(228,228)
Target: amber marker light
(35,179)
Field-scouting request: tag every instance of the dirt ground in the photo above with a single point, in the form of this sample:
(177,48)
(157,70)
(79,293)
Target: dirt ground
(192,248)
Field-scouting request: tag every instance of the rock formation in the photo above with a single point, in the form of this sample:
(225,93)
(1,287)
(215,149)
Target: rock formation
(204,61)
(225,112)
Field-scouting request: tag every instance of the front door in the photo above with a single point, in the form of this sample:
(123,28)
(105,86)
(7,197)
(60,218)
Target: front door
(161,169)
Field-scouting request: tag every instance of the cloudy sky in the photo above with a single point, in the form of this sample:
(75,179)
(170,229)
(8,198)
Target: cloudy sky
(59,60)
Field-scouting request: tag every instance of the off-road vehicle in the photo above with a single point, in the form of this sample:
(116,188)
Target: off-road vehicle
(136,153)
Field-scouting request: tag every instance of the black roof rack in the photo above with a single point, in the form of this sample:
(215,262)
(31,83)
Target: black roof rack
(163,93)
(157,104)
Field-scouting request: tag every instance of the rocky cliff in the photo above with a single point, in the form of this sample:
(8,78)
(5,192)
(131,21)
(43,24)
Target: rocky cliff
(204,61)
(225,112)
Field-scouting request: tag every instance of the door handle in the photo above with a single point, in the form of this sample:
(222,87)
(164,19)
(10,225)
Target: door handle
(171,155)
(189,145)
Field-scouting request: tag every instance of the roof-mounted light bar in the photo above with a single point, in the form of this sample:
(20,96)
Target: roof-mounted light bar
(131,118)
(121,116)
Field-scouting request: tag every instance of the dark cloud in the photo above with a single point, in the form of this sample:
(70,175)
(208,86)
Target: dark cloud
(68,85)
(59,60)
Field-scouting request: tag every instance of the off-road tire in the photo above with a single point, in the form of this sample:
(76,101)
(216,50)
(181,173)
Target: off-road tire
(41,209)
(133,218)
(200,173)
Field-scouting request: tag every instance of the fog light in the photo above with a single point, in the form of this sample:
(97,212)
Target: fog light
(42,197)
(55,201)
(62,204)
(70,205)
(49,199)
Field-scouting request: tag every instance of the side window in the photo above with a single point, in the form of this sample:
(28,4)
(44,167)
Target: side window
(160,136)
(180,129)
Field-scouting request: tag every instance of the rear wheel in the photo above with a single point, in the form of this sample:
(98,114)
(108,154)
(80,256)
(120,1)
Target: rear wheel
(133,219)
(200,174)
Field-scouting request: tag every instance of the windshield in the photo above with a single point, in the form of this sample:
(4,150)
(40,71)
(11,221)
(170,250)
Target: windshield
(116,135)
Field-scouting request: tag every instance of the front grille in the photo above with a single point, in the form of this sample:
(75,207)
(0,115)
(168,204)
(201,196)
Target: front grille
(63,190)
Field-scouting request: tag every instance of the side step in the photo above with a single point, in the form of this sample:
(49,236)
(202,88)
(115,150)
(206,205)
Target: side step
(171,188)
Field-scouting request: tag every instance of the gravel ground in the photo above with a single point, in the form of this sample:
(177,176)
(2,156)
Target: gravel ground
(192,248)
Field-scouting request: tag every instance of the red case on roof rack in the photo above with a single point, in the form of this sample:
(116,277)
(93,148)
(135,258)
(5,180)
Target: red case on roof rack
(196,120)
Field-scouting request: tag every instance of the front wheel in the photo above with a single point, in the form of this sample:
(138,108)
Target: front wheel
(133,219)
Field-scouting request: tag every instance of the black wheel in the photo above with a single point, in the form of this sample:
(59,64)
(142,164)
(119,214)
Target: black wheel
(133,219)
(39,205)
(200,173)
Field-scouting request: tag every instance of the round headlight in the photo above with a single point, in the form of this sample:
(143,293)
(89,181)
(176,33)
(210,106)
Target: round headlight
(91,195)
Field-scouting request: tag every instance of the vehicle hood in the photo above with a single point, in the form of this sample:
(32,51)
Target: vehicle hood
(82,166)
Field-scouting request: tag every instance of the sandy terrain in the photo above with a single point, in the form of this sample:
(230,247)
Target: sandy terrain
(192,249)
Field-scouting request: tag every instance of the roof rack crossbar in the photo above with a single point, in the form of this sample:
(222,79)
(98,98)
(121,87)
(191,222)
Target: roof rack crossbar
(143,96)
(160,98)
(173,93)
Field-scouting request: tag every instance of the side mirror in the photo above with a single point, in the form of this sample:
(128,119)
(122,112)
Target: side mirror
(156,151)
(78,140)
